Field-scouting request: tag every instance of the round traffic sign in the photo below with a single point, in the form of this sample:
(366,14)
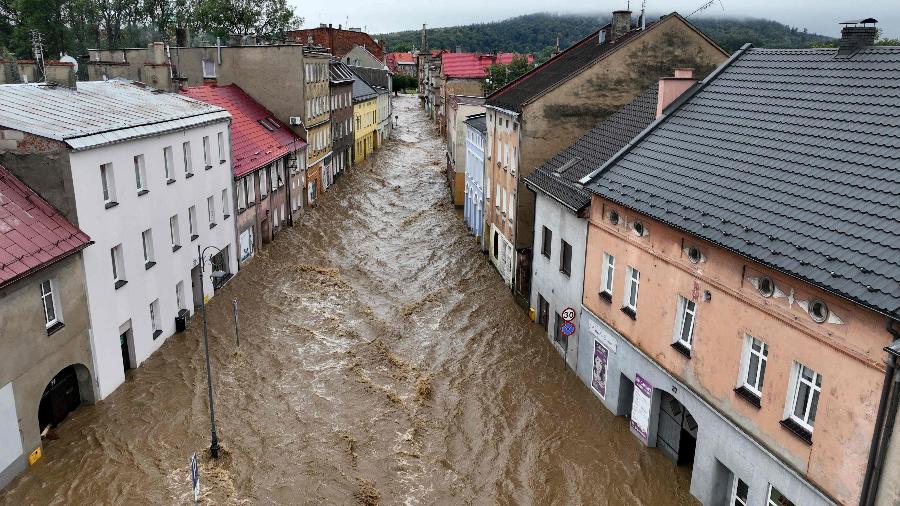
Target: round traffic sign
(567,329)
(568,314)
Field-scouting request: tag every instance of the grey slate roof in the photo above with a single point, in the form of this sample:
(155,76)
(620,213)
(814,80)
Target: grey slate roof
(339,73)
(361,90)
(558,177)
(478,122)
(100,112)
(788,157)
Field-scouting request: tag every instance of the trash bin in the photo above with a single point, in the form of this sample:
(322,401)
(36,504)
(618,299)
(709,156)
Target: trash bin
(181,321)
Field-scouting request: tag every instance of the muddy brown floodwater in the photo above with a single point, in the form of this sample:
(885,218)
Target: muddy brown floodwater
(382,360)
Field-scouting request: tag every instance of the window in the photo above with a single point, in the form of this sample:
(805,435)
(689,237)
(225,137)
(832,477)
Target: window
(263,187)
(221,139)
(694,255)
(614,217)
(108,184)
(154,319)
(558,336)
(279,170)
(175,233)
(179,295)
(192,222)
(140,175)
(250,187)
(547,242)
(147,242)
(818,311)
(607,276)
(766,286)
(543,312)
(756,354)
(169,162)
(808,385)
(565,258)
(631,291)
(211,210)
(777,499)
(49,299)
(225,205)
(739,492)
(638,228)
(188,163)
(207,156)
(118,266)
(684,326)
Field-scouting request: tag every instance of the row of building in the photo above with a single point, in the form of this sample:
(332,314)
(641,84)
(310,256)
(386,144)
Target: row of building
(129,198)
(710,242)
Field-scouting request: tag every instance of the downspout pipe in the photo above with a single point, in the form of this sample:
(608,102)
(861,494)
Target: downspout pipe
(884,421)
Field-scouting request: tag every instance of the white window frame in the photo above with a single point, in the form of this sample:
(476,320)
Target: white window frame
(192,223)
(207,155)
(179,295)
(174,231)
(140,173)
(50,296)
(221,140)
(761,363)
(685,307)
(225,206)
(734,500)
(155,325)
(796,382)
(608,275)
(632,280)
(147,244)
(770,502)
(188,158)
(211,210)
(263,187)
(108,183)
(118,263)
(169,163)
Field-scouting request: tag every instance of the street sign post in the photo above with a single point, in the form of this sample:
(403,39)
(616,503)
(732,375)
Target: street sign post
(195,477)
(568,314)
(567,329)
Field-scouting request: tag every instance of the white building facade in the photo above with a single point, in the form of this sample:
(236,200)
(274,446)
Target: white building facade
(473,207)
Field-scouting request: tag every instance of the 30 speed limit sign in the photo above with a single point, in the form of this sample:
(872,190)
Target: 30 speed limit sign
(568,314)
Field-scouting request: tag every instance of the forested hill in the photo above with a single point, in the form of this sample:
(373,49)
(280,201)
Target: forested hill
(536,33)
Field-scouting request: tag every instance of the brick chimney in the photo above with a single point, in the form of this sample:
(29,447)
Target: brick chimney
(156,53)
(60,73)
(855,36)
(670,88)
(621,23)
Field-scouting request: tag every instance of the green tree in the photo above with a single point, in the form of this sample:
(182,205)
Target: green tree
(499,75)
(266,19)
(400,47)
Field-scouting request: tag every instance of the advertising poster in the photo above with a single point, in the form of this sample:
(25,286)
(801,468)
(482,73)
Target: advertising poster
(640,407)
(598,377)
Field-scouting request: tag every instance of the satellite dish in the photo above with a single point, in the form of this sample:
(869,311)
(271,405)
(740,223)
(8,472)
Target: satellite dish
(69,59)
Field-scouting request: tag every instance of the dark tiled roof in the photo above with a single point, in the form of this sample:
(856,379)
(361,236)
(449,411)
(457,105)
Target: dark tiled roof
(558,69)
(376,78)
(789,157)
(361,90)
(478,122)
(338,72)
(591,151)
(33,234)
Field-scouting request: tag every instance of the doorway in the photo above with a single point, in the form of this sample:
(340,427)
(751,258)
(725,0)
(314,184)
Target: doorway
(126,344)
(60,397)
(677,431)
(196,279)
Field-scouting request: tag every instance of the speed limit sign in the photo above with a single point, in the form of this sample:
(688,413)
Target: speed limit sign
(568,314)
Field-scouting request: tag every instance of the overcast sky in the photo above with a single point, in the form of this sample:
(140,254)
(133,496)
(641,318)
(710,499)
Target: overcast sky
(380,16)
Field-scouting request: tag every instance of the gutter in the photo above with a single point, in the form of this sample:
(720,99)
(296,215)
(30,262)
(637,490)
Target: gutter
(42,266)
(680,101)
(884,421)
(504,111)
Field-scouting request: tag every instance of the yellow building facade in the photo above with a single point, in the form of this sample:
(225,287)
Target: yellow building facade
(365,122)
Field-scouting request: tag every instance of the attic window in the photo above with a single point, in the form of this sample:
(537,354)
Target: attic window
(265,124)
(694,255)
(272,122)
(818,311)
(614,217)
(766,286)
(638,228)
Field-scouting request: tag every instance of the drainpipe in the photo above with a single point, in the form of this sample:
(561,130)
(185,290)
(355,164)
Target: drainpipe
(884,421)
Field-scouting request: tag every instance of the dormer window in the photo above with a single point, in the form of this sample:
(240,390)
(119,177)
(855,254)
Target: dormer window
(766,286)
(614,217)
(694,255)
(638,228)
(818,311)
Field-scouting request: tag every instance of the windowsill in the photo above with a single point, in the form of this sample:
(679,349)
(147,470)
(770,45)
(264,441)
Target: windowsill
(222,161)
(545,255)
(566,273)
(53,329)
(110,205)
(212,225)
(149,265)
(264,197)
(796,429)
(170,181)
(226,216)
(209,167)
(194,237)
(745,393)
(681,348)
(120,283)
(143,192)
(157,333)
(606,296)
(241,211)
(176,248)
(188,175)
(630,312)
(251,204)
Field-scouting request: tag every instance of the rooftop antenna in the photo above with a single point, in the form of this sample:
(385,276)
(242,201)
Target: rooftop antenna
(642,21)
(37,47)
(706,5)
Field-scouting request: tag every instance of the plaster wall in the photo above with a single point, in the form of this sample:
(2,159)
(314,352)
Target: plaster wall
(501,170)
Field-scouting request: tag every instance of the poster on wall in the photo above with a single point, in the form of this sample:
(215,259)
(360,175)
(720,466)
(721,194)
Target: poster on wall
(246,240)
(640,408)
(598,377)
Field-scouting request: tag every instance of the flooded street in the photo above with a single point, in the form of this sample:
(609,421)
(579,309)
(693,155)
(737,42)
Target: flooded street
(382,361)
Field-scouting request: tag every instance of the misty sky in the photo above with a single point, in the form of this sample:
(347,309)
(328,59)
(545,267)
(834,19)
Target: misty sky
(380,16)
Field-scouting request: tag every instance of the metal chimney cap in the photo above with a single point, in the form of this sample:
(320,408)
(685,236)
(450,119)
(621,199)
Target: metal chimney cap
(860,21)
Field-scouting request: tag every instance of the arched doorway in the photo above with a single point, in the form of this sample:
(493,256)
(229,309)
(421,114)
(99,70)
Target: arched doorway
(63,394)
(677,432)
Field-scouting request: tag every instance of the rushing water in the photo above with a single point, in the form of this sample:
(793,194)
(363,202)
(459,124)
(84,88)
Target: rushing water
(382,360)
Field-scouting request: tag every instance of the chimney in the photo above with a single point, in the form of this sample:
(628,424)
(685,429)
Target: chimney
(60,73)
(621,23)
(855,36)
(670,88)
(156,53)
(182,37)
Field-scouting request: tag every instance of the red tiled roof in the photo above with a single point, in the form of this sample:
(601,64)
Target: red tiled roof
(339,41)
(252,145)
(33,234)
(474,65)
(395,59)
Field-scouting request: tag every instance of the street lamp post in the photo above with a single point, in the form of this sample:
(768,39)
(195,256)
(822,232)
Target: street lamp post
(214,445)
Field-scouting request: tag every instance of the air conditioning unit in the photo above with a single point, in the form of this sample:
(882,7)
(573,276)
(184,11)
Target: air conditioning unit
(296,120)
